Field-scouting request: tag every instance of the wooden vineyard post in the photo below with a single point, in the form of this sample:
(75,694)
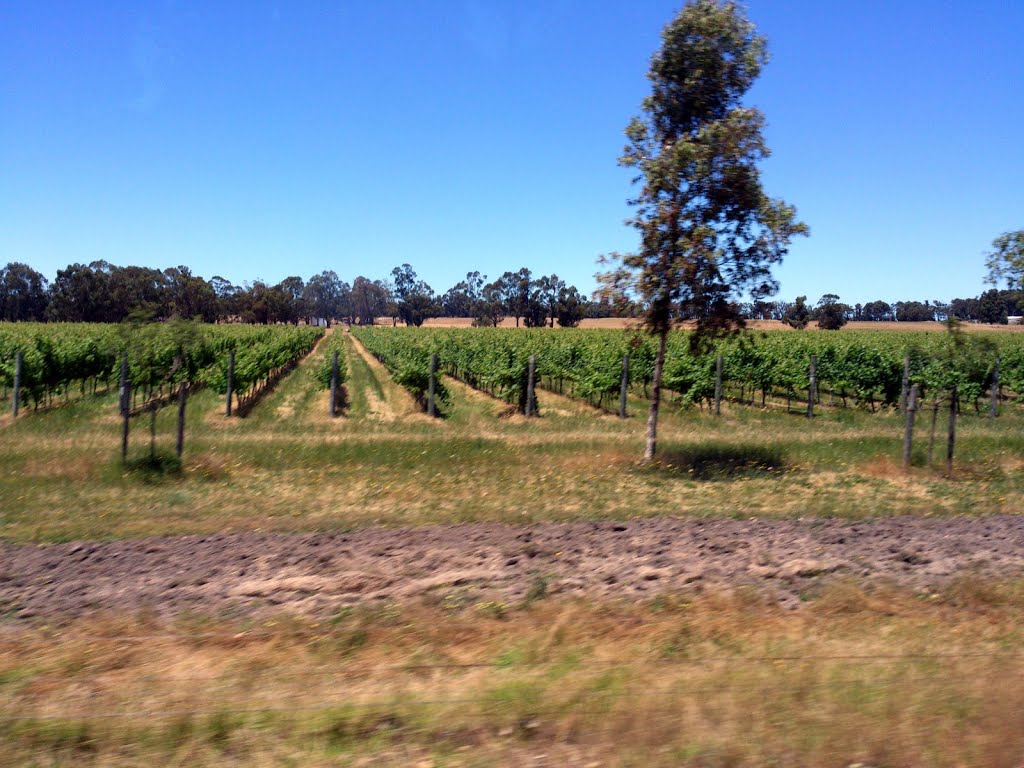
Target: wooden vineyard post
(182,400)
(952,431)
(432,387)
(718,386)
(908,435)
(126,406)
(530,376)
(19,362)
(993,405)
(812,382)
(624,387)
(905,389)
(231,381)
(152,430)
(333,407)
(931,436)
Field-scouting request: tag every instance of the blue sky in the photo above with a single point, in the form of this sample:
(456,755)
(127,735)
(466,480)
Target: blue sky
(264,139)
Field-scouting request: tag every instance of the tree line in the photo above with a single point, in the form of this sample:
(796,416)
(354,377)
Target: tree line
(103,292)
(830,313)
(106,293)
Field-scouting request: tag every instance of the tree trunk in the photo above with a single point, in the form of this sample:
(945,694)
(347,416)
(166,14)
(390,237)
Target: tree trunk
(652,418)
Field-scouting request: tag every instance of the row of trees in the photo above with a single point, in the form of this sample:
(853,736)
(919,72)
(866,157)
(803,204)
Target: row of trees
(993,306)
(103,292)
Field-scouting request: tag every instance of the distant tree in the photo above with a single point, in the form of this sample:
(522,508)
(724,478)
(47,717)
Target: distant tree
(370,299)
(415,299)
(228,304)
(490,308)
(23,294)
(830,313)
(288,296)
(544,298)
(569,311)
(964,309)
(536,315)
(760,310)
(81,293)
(940,309)
(1005,262)
(778,310)
(602,307)
(1014,300)
(877,311)
(708,231)
(463,298)
(914,312)
(515,289)
(797,314)
(456,301)
(188,296)
(991,308)
(323,296)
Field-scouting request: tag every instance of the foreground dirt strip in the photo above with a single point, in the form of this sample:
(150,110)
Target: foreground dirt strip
(317,573)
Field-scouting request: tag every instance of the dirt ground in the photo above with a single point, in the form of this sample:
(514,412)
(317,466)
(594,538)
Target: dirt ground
(315,574)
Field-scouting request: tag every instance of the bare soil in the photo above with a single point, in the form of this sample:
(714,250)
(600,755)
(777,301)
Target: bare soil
(315,574)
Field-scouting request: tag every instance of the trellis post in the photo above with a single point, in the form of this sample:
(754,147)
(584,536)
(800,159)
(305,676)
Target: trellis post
(813,381)
(718,385)
(333,408)
(530,382)
(624,387)
(432,387)
(908,434)
(231,382)
(16,398)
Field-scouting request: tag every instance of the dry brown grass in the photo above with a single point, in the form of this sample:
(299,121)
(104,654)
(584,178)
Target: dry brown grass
(397,402)
(878,676)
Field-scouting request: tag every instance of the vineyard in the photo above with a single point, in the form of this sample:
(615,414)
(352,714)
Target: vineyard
(57,358)
(859,368)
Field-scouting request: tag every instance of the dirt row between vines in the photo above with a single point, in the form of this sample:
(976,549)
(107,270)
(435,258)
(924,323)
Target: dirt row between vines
(315,574)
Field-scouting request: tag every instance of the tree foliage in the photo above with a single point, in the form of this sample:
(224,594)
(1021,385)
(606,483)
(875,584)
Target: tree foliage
(798,314)
(708,232)
(1005,262)
(831,314)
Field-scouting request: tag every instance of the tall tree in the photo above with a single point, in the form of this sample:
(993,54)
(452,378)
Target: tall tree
(569,309)
(370,299)
(416,301)
(490,310)
(80,293)
(323,296)
(991,308)
(546,292)
(708,232)
(515,292)
(190,295)
(23,294)
(830,313)
(797,314)
(877,310)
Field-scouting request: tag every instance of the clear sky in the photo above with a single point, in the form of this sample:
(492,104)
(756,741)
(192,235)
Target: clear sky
(265,139)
